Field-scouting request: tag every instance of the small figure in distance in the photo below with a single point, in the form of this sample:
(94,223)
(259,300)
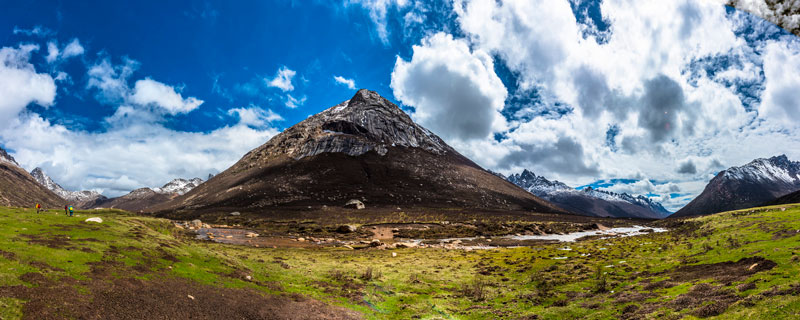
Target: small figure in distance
(38,208)
(70,211)
(66,210)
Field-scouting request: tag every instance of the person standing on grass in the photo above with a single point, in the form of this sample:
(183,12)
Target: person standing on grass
(66,210)
(38,207)
(70,211)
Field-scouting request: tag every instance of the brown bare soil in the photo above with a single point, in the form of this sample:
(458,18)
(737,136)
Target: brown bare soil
(725,272)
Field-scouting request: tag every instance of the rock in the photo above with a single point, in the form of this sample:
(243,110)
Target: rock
(301,239)
(394,254)
(190,296)
(346,229)
(249,278)
(646,230)
(196,223)
(406,245)
(178,225)
(229,237)
(205,226)
(375,243)
(251,235)
(354,204)
(94,219)
(235,213)
(347,247)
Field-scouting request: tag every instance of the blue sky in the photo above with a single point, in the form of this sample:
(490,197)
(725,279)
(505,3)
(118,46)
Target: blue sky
(643,97)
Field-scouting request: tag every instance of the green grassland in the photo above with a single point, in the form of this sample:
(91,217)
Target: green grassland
(741,264)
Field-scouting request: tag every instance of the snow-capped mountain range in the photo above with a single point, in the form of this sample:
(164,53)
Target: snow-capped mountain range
(760,181)
(92,198)
(72,196)
(5,157)
(589,201)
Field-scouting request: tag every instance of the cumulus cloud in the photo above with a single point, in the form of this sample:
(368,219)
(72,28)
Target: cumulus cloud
(255,116)
(282,80)
(20,84)
(151,92)
(687,167)
(454,90)
(781,101)
(349,83)
(130,154)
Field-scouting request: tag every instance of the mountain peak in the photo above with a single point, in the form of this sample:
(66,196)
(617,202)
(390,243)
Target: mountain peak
(367,122)
(5,157)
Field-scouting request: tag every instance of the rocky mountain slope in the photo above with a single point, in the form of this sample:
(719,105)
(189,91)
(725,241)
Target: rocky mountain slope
(755,183)
(364,148)
(19,188)
(590,202)
(143,198)
(76,198)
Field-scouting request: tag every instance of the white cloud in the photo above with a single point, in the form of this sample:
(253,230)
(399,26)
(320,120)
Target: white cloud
(349,83)
(783,13)
(255,116)
(111,81)
(292,102)
(20,84)
(38,31)
(282,80)
(130,154)
(453,89)
(781,102)
(151,92)
(378,11)
(73,49)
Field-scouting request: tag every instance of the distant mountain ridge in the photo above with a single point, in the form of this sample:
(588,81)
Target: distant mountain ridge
(144,198)
(75,197)
(755,183)
(589,201)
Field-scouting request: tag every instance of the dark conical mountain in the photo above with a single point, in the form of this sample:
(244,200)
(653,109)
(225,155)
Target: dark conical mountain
(760,181)
(19,189)
(365,148)
(589,202)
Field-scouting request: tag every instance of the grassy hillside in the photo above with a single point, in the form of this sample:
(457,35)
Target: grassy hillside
(742,264)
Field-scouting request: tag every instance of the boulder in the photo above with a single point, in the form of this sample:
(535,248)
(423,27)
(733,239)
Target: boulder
(346,229)
(94,219)
(354,204)
(235,213)
(196,223)
(251,235)
(375,243)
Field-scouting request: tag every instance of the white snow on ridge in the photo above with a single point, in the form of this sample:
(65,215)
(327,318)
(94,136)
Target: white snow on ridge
(179,186)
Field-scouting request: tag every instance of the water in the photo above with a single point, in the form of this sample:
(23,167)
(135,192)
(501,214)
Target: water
(572,237)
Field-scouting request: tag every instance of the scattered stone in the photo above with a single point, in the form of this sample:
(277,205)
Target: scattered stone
(346,229)
(406,245)
(347,247)
(178,225)
(354,204)
(394,254)
(251,235)
(228,237)
(196,224)
(301,239)
(600,227)
(249,278)
(235,213)
(190,296)
(94,219)
(375,243)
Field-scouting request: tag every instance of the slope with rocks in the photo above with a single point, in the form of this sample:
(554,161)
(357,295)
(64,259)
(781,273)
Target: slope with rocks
(589,201)
(760,181)
(77,198)
(19,188)
(364,148)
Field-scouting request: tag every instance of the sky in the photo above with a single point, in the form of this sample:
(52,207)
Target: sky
(645,97)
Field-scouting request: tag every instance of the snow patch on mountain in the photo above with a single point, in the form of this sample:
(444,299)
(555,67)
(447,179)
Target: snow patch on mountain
(776,169)
(72,196)
(179,186)
(551,190)
(7,158)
